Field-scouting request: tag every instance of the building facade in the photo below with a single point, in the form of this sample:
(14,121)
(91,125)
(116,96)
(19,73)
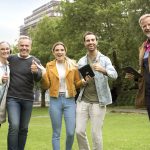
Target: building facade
(50,9)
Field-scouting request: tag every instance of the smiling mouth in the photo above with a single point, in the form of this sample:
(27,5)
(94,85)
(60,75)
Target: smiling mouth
(59,55)
(91,46)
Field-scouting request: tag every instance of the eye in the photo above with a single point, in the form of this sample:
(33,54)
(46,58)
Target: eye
(2,49)
(56,50)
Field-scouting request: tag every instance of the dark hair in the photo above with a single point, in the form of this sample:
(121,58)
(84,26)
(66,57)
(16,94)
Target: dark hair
(89,33)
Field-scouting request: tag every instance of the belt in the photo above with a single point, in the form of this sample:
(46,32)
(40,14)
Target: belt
(62,93)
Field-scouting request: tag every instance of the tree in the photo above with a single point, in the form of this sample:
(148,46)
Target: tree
(114,22)
(109,20)
(44,35)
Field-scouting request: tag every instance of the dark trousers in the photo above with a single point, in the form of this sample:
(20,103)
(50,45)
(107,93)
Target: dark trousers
(148,105)
(19,114)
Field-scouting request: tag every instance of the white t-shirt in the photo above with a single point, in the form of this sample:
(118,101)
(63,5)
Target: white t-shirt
(62,74)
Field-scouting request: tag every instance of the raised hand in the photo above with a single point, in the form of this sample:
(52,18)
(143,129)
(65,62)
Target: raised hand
(5,77)
(34,68)
(35,65)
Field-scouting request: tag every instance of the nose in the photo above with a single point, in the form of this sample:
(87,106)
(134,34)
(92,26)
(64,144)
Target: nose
(24,47)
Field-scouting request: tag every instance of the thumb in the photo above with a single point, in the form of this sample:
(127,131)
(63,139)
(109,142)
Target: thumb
(38,65)
(33,61)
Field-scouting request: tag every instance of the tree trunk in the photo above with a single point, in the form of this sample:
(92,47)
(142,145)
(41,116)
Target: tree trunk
(43,104)
(117,84)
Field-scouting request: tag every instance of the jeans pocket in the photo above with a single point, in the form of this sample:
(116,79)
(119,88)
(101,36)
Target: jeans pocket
(84,106)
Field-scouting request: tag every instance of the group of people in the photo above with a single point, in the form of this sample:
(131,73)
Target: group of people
(18,74)
(61,77)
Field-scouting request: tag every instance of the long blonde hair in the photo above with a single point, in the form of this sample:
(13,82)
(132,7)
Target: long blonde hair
(71,64)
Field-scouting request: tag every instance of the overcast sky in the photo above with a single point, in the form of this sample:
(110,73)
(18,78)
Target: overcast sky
(12,14)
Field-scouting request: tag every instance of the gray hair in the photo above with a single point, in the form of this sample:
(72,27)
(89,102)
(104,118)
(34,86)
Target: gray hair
(4,42)
(143,17)
(22,37)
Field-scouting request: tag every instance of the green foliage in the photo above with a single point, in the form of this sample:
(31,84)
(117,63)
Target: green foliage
(14,49)
(114,22)
(126,98)
(44,35)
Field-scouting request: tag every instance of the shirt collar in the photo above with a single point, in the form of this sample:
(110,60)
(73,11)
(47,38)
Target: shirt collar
(23,57)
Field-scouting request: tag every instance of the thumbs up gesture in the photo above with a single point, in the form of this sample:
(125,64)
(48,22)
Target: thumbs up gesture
(34,68)
(5,78)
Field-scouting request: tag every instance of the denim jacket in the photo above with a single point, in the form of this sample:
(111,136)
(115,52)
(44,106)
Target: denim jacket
(3,96)
(101,80)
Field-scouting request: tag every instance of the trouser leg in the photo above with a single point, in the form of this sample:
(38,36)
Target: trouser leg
(82,116)
(97,114)
(70,117)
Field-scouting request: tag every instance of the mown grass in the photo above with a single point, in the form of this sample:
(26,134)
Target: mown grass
(121,131)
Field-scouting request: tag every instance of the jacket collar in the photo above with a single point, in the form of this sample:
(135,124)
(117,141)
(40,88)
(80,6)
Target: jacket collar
(53,68)
(141,55)
(99,54)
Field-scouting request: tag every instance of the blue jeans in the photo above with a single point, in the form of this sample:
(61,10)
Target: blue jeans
(58,107)
(19,114)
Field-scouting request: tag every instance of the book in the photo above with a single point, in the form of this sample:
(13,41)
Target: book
(131,70)
(86,70)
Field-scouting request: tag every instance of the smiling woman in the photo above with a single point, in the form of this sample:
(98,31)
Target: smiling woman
(4,78)
(62,79)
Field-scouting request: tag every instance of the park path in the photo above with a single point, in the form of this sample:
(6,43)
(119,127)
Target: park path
(126,110)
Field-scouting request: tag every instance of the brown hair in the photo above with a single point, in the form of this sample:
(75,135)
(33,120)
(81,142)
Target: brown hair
(59,43)
(88,33)
(70,62)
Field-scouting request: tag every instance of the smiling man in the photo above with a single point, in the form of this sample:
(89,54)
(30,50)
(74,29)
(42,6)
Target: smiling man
(23,74)
(94,96)
(143,95)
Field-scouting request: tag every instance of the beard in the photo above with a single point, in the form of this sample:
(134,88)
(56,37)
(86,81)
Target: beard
(148,35)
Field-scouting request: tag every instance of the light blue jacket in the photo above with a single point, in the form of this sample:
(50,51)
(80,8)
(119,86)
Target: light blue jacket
(101,80)
(3,93)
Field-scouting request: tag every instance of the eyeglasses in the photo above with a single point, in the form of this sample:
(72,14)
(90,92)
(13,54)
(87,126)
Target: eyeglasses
(2,49)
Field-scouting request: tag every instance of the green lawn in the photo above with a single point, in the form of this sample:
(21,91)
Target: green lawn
(121,131)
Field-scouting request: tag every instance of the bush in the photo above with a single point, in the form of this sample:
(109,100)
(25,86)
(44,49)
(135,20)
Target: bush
(126,98)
